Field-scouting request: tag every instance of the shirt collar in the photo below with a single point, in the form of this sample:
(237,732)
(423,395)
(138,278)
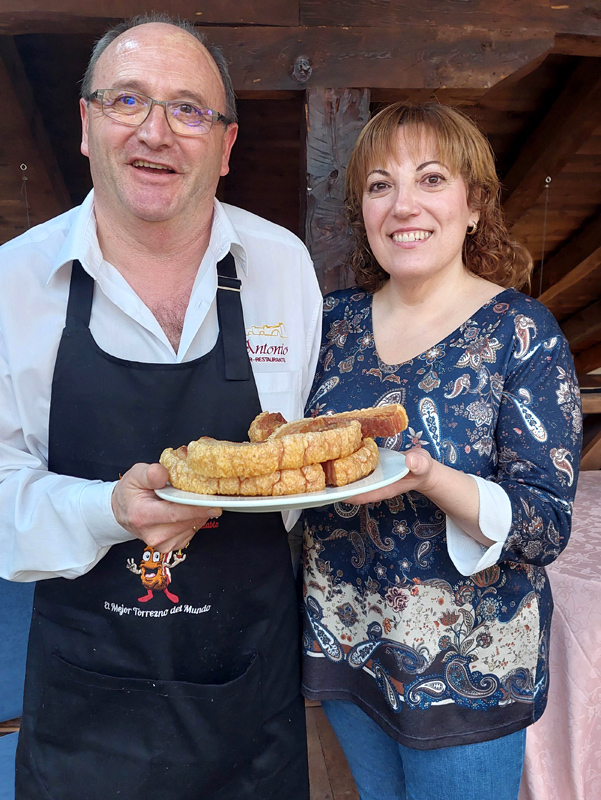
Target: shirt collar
(81,242)
(224,238)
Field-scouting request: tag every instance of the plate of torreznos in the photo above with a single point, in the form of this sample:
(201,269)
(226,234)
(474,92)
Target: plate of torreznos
(288,465)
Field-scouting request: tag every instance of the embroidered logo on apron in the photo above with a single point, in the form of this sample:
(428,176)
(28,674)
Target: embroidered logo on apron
(154,570)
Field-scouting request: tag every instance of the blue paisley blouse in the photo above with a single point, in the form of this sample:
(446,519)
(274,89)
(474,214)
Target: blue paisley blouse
(434,657)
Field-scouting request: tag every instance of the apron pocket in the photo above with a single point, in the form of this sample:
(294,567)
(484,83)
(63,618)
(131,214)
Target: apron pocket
(98,736)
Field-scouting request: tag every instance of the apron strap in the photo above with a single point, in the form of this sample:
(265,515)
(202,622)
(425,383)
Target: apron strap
(229,311)
(231,321)
(81,293)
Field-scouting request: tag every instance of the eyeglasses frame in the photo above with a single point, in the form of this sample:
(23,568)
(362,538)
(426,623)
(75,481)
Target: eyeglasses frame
(98,94)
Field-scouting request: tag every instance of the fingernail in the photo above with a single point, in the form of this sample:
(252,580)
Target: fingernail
(214,512)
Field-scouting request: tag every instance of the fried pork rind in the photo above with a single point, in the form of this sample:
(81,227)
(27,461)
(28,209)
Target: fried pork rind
(264,425)
(286,457)
(212,458)
(281,482)
(378,421)
(351,468)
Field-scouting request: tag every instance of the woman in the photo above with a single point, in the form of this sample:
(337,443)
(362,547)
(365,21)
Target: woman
(427,616)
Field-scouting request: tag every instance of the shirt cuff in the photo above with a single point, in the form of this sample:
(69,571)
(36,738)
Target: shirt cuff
(494,518)
(97,512)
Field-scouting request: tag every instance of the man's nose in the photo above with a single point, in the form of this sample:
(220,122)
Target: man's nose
(155,130)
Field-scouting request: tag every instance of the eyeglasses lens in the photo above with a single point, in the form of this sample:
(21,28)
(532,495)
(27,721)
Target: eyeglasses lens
(130,108)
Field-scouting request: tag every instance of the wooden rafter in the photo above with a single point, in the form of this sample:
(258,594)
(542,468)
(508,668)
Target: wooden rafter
(568,124)
(570,277)
(589,359)
(584,328)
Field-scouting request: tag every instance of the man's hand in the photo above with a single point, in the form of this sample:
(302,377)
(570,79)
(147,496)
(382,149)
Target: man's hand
(162,525)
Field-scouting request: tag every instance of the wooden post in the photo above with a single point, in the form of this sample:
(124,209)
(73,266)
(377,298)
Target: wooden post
(334,118)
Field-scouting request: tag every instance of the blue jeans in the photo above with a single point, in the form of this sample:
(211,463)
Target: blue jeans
(386,770)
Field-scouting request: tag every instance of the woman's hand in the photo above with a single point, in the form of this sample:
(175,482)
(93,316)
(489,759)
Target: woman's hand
(162,525)
(422,477)
(453,491)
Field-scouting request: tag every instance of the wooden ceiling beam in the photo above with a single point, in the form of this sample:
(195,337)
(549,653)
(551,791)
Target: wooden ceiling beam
(574,23)
(568,44)
(412,57)
(575,18)
(569,123)
(573,275)
(77,16)
(583,329)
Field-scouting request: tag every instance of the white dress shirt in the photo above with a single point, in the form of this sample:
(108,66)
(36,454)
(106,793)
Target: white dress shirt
(52,524)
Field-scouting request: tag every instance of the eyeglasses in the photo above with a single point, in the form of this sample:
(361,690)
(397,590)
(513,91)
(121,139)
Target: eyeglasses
(132,108)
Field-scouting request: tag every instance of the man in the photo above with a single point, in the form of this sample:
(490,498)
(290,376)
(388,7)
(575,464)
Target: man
(161,663)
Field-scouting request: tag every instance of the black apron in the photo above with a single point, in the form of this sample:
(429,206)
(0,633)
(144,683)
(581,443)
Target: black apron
(169,676)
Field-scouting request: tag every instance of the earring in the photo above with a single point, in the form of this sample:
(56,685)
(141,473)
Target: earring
(472,229)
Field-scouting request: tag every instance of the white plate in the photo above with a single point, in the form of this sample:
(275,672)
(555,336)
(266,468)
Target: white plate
(391,468)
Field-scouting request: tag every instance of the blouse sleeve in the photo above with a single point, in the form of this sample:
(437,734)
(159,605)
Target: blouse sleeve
(539,437)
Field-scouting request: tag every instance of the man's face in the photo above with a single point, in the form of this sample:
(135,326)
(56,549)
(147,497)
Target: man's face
(148,172)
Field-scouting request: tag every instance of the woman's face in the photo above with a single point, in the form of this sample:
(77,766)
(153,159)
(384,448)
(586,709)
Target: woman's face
(415,211)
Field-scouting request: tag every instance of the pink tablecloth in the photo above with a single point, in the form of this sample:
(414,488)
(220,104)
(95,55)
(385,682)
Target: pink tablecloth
(563,749)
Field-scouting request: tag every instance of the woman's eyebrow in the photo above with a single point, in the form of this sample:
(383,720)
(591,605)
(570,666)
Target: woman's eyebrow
(428,163)
(418,169)
(379,171)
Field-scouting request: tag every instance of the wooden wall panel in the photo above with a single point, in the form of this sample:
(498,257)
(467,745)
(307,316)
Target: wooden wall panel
(55,79)
(25,153)
(30,107)
(264,167)
(334,119)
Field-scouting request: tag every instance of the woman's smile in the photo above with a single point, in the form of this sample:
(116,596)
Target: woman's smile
(410,236)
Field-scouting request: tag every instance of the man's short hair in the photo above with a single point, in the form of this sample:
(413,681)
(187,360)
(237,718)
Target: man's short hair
(184,25)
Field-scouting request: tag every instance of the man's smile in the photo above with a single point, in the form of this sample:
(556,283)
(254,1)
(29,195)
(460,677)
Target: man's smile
(151,165)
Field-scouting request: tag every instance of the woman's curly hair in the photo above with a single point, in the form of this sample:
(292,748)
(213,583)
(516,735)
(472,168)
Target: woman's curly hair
(490,252)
